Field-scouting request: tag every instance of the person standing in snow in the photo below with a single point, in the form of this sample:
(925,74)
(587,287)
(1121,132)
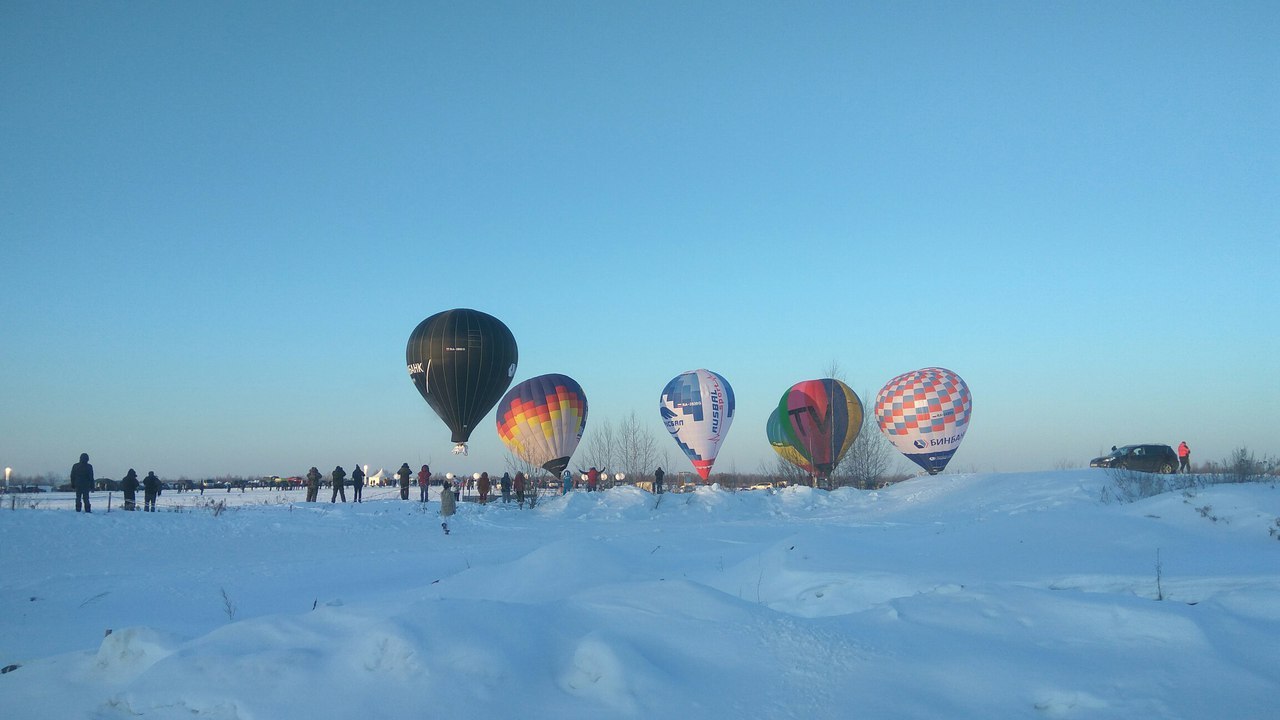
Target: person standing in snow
(593,478)
(505,486)
(313,484)
(519,484)
(658,475)
(82,482)
(483,485)
(150,491)
(566,478)
(448,505)
(339,475)
(357,484)
(424,483)
(1184,457)
(129,485)
(405,475)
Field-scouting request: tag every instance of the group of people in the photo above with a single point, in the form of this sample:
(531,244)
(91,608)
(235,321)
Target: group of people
(82,482)
(519,484)
(339,484)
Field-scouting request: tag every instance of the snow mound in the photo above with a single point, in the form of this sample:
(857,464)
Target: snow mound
(125,654)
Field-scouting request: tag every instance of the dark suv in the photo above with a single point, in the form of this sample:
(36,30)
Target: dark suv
(1144,458)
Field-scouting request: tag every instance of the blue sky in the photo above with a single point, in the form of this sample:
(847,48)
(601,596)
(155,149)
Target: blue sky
(219,222)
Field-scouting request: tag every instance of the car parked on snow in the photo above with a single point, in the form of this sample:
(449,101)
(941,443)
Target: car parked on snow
(1143,458)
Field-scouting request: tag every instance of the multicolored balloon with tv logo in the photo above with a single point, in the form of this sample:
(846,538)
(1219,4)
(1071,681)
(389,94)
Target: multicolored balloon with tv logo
(697,408)
(821,419)
(541,420)
(925,414)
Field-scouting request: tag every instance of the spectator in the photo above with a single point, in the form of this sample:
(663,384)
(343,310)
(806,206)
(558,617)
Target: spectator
(658,475)
(448,505)
(82,482)
(1184,457)
(339,475)
(130,487)
(483,486)
(567,479)
(150,491)
(357,484)
(313,484)
(424,483)
(505,486)
(519,484)
(404,474)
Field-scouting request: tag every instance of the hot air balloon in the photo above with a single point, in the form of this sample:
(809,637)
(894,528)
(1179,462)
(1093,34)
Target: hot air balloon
(697,408)
(461,361)
(541,420)
(821,419)
(925,414)
(781,445)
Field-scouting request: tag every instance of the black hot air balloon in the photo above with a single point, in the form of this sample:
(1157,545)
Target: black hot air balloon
(461,361)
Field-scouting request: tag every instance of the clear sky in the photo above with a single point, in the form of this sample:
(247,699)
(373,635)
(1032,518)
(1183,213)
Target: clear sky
(219,222)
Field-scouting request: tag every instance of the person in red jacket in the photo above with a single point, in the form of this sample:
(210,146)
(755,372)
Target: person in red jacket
(1184,457)
(483,485)
(424,482)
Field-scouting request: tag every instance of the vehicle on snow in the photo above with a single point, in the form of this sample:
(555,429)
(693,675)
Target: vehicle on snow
(1143,458)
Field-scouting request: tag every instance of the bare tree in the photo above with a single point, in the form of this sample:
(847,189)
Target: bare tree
(637,449)
(522,462)
(602,446)
(870,458)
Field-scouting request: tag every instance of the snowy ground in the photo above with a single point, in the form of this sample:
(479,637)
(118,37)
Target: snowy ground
(962,596)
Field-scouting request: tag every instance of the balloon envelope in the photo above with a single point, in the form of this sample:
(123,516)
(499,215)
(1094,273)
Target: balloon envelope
(781,445)
(821,419)
(461,361)
(541,420)
(925,414)
(697,408)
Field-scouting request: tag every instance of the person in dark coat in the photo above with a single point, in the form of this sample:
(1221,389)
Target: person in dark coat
(150,491)
(483,485)
(405,475)
(82,482)
(519,483)
(357,484)
(658,475)
(339,475)
(129,485)
(505,486)
(313,484)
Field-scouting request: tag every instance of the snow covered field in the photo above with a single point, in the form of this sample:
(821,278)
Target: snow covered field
(958,596)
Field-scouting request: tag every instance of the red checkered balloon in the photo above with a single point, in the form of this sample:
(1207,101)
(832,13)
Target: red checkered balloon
(925,414)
